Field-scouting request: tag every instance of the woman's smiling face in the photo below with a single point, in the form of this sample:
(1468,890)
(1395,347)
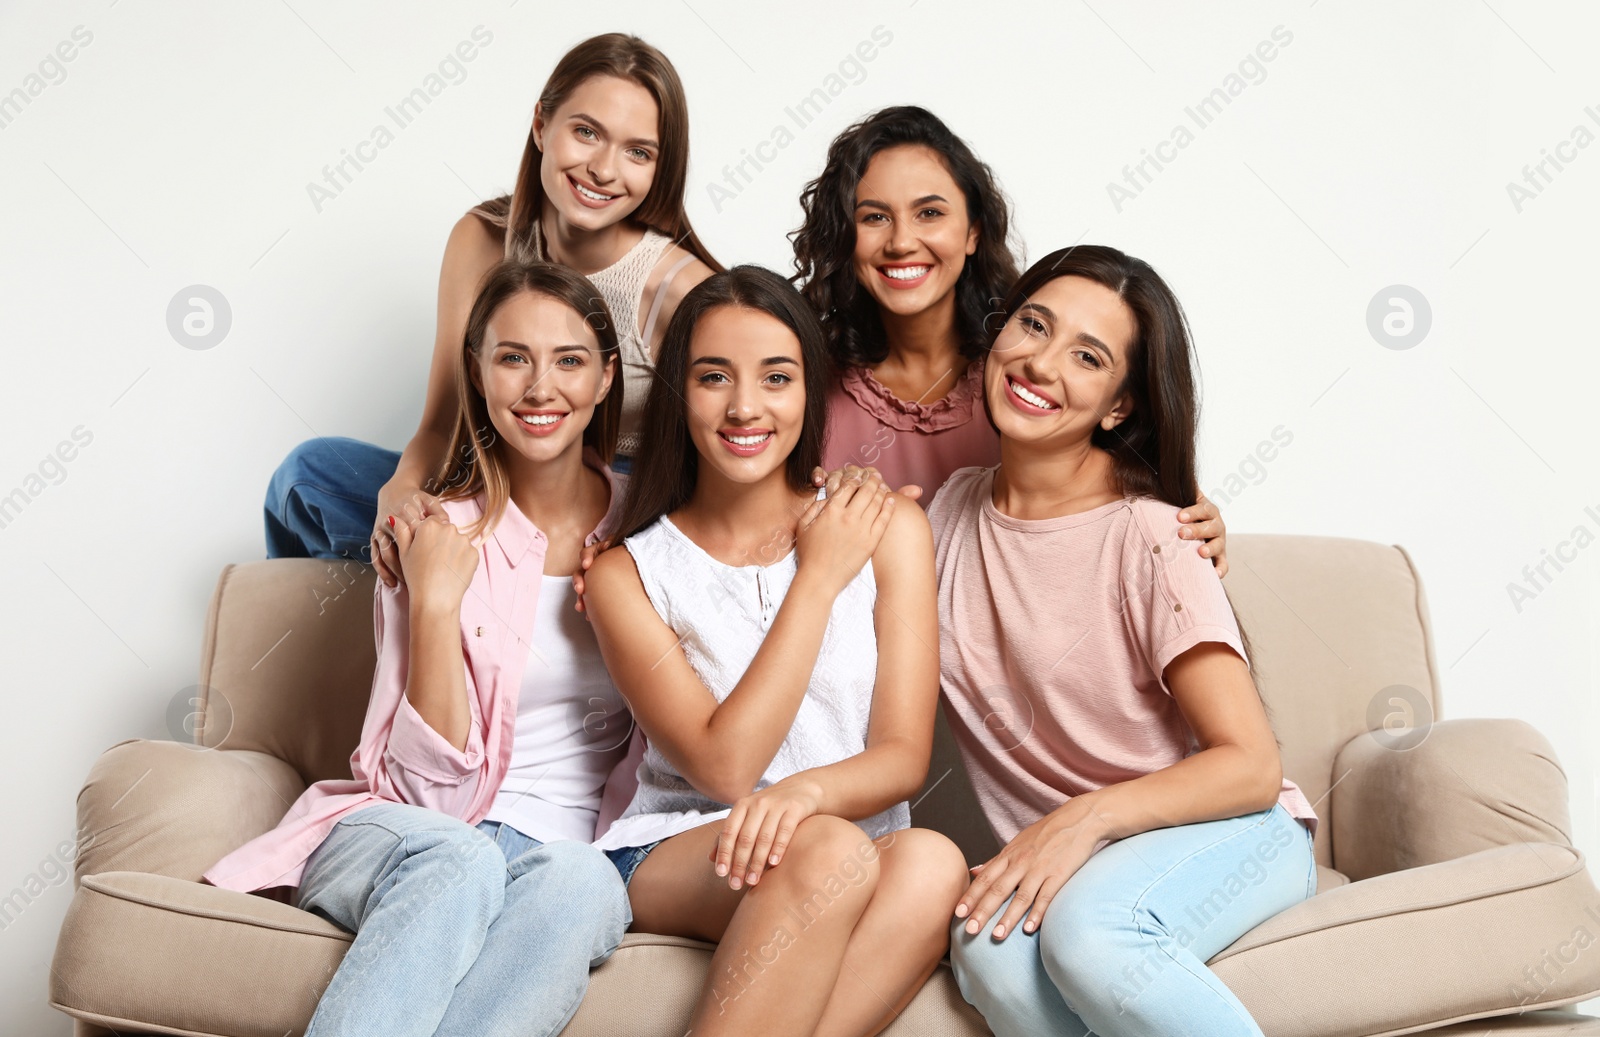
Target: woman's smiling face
(913,232)
(599,151)
(1058,366)
(745,392)
(541,374)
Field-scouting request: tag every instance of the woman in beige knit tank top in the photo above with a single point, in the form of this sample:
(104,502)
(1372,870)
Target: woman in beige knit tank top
(599,189)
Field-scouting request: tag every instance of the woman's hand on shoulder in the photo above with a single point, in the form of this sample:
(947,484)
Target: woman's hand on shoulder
(821,477)
(1203,522)
(439,559)
(586,557)
(839,534)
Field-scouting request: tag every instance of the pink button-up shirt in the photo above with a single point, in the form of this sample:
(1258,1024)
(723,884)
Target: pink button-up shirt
(401,759)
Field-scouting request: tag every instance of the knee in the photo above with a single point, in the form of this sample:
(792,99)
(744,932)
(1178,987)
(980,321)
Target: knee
(462,859)
(308,461)
(584,882)
(1093,948)
(828,854)
(577,871)
(926,868)
(989,973)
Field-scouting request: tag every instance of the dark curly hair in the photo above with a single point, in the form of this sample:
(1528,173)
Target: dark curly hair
(825,243)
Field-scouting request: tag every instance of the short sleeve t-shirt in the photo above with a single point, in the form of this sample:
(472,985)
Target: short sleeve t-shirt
(1053,638)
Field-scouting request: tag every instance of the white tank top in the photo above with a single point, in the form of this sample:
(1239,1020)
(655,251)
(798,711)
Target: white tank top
(572,726)
(721,613)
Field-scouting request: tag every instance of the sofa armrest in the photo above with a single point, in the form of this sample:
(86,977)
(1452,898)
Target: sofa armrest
(167,808)
(1467,785)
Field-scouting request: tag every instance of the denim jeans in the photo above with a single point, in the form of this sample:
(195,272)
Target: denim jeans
(322,502)
(1123,947)
(459,930)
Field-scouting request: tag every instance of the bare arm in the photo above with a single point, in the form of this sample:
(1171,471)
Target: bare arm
(1237,771)
(723,749)
(905,694)
(441,560)
(469,253)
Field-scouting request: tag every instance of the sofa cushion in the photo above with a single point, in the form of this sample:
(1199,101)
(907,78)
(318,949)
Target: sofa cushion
(151,951)
(1425,947)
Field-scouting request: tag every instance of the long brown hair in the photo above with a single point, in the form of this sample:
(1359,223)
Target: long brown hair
(1153,449)
(473,464)
(625,57)
(668,464)
(824,246)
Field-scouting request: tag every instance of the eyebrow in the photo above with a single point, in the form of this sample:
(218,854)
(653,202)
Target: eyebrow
(1049,315)
(565,347)
(924,200)
(722,361)
(584,117)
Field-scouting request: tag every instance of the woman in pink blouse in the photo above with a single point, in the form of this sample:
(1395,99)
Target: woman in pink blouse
(904,253)
(1097,681)
(458,850)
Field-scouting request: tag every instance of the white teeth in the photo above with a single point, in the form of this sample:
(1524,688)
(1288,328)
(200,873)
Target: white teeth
(906,273)
(747,440)
(540,419)
(1037,401)
(591,194)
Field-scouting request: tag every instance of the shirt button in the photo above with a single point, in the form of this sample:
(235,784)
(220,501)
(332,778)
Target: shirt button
(1177,608)
(480,631)
(1156,549)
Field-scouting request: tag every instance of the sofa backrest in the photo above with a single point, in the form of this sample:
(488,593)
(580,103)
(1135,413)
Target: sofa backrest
(1338,630)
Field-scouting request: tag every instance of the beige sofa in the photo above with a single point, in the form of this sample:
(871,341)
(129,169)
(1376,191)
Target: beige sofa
(1450,891)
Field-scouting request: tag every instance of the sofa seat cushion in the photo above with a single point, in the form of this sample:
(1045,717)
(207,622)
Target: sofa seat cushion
(1328,879)
(1425,947)
(140,951)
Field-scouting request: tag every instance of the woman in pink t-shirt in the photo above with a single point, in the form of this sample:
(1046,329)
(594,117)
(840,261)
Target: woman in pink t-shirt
(1097,681)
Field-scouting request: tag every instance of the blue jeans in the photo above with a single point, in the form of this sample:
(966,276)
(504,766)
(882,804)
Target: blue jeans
(1122,949)
(459,930)
(322,501)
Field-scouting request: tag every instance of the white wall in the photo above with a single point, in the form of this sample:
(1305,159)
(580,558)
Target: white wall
(1376,151)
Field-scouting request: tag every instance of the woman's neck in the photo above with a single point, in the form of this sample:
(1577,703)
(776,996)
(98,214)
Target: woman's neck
(742,523)
(586,251)
(559,496)
(924,361)
(1036,481)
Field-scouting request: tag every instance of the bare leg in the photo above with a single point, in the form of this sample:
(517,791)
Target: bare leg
(901,936)
(782,940)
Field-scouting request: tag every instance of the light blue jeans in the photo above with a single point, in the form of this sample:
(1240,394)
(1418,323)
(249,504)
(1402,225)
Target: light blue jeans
(1122,949)
(459,930)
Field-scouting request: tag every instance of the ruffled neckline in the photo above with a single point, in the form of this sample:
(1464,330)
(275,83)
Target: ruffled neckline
(955,408)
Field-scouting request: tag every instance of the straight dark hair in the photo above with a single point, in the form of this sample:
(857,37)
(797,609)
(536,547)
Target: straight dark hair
(824,246)
(1153,449)
(473,464)
(664,474)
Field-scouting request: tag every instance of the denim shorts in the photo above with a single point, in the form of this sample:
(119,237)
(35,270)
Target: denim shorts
(629,858)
